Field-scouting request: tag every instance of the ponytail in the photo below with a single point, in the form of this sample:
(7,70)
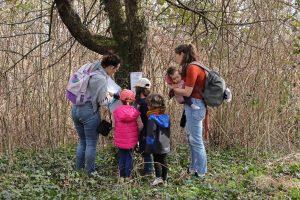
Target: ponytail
(190,55)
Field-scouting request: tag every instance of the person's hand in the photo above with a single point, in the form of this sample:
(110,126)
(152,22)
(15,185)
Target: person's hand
(110,94)
(174,86)
(170,86)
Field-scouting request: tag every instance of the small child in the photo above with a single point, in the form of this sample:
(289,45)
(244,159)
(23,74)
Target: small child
(142,90)
(173,77)
(126,123)
(158,136)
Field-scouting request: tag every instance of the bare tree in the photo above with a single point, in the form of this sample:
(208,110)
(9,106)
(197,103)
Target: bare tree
(128,28)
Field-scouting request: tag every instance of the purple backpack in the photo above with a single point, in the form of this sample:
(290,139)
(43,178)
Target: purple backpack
(77,87)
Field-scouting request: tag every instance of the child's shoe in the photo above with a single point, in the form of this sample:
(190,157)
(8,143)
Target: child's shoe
(157,181)
(165,183)
(121,180)
(194,107)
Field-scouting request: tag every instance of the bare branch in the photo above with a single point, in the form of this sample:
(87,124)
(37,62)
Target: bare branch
(80,32)
(183,6)
(45,41)
(18,35)
(10,51)
(52,64)
(86,17)
(23,22)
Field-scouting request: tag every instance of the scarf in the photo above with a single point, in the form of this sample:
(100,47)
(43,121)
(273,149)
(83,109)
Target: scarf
(155,111)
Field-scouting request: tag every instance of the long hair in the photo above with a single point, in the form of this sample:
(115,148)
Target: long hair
(190,55)
(139,91)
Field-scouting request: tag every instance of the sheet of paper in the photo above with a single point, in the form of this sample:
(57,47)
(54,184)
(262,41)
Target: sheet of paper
(134,77)
(112,86)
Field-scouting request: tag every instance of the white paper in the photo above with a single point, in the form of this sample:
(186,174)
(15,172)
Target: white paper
(134,77)
(112,86)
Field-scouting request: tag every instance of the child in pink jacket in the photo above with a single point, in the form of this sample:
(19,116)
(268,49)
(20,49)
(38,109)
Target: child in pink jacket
(126,123)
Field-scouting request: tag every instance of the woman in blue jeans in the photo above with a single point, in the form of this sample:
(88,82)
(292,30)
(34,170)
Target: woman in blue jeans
(87,117)
(194,78)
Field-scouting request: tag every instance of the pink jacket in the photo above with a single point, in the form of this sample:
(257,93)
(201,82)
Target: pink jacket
(126,126)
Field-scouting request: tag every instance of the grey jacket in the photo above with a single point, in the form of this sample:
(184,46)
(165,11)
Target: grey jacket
(97,86)
(158,134)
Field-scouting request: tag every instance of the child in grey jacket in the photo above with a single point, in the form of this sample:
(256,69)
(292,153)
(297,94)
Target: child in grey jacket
(158,136)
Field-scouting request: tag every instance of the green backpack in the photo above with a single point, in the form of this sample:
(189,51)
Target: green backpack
(213,94)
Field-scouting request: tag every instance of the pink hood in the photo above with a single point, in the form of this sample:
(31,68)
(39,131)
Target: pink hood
(126,130)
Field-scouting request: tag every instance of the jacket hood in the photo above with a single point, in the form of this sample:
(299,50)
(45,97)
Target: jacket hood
(127,113)
(162,120)
(99,69)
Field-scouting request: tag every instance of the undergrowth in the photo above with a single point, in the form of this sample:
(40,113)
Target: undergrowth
(232,174)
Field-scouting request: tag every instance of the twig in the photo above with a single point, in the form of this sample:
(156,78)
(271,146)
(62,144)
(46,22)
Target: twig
(49,38)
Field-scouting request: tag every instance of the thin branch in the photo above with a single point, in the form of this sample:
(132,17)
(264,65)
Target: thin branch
(183,6)
(249,23)
(11,51)
(196,25)
(86,17)
(23,22)
(52,64)
(49,38)
(162,12)
(18,35)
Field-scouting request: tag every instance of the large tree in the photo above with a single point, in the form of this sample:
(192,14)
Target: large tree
(127,25)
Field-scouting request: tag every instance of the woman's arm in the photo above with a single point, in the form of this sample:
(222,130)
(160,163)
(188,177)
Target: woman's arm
(187,91)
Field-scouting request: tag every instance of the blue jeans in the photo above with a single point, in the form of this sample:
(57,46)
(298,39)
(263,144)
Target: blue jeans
(125,162)
(147,157)
(194,131)
(86,122)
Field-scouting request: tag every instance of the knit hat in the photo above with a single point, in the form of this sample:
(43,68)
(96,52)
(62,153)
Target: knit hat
(127,95)
(144,83)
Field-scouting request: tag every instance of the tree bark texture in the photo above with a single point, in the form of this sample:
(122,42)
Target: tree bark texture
(129,30)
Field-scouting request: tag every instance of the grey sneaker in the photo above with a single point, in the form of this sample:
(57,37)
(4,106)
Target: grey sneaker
(194,107)
(165,183)
(157,181)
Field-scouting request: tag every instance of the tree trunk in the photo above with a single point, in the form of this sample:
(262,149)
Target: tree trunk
(129,31)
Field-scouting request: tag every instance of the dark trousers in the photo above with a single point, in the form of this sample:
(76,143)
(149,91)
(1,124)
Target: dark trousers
(160,166)
(147,157)
(125,162)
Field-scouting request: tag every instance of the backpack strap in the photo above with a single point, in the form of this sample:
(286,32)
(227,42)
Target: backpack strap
(200,65)
(203,67)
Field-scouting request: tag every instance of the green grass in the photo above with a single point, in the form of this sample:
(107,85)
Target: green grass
(232,175)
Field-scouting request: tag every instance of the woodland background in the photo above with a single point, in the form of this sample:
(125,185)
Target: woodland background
(254,44)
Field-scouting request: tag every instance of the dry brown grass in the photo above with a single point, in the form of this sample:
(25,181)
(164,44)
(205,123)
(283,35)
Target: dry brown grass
(256,61)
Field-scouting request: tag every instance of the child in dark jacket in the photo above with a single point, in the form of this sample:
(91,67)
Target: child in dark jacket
(142,90)
(126,123)
(158,136)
